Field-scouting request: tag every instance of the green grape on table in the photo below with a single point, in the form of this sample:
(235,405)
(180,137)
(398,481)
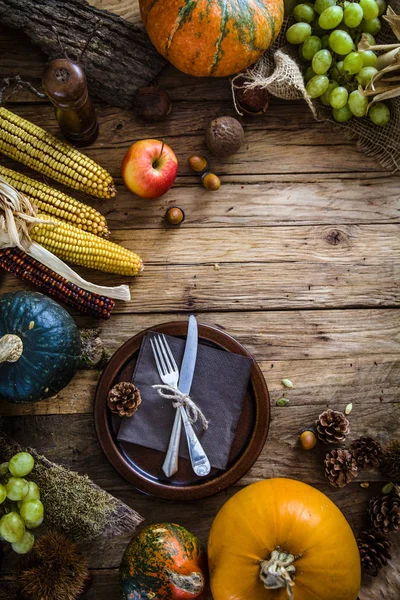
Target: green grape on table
(321,62)
(341,115)
(373,27)
(358,103)
(25,545)
(338,97)
(379,113)
(325,96)
(3,493)
(304,13)
(340,42)
(317,86)
(353,63)
(17,488)
(31,511)
(298,33)
(4,468)
(370,9)
(369,58)
(382,6)
(309,74)
(331,17)
(321,5)
(365,75)
(353,15)
(21,464)
(325,41)
(12,527)
(310,47)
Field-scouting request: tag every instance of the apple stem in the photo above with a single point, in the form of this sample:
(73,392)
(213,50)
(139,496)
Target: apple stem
(155,163)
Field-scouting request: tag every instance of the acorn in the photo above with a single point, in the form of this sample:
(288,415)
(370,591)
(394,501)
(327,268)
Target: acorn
(152,104)
(175,215)
(308,439)
(211,182)
(251,101)
(198,164)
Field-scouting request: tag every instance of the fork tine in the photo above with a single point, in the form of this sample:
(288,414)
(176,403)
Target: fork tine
(161,354)
(171,356)
(156,358)
(166,355)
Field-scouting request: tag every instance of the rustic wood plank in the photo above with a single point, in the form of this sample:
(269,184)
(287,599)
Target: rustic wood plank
(128,9)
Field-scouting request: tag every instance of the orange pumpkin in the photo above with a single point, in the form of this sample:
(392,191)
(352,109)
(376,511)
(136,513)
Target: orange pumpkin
(281,539)
(212,37)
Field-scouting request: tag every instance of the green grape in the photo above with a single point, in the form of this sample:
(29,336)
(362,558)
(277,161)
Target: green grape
(381,7)
(365,75)
(338,97)
(369,58)
(358,103)
(316,29)
(321,5)
(370,39)
(33,493)
(317,86)
(331,17)
(309,74)
(353,63)
(3,493)
(335,75)
(370,9)
(373,27)
(31,511)
(353,15)
(346,4)
(34,524)
(321,62)
(298,33)
(310,47)
(340,42)
(25,545)
(4,468)
(17,488)
(325,96)
(304,13)
(12,527)
(379,113)
(325,41)
(341,115)
(21,464)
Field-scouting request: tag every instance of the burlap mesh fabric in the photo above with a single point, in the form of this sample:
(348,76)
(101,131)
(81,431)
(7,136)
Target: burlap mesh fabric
(279,72)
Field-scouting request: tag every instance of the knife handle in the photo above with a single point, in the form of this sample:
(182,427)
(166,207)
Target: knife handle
(170,464)
(200,463)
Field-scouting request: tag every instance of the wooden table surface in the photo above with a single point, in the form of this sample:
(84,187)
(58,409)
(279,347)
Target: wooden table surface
(296,256)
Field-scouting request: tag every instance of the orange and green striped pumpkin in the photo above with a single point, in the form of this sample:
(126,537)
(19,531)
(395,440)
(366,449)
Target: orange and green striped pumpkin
(212,37)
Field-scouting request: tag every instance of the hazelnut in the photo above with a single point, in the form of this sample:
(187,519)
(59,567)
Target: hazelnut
(175,215)
(152,104)
(308,439)
(198,164)
(211,182)
(251,101)
(224,136)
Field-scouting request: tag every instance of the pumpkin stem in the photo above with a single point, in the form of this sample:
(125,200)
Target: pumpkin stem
(277,572)
(11,348)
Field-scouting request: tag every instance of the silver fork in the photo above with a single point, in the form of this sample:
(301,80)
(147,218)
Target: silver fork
(169,375)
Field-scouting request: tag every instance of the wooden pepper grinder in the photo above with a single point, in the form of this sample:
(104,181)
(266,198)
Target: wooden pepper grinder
(64,82)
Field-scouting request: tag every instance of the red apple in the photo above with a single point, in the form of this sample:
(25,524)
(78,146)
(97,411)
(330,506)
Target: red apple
(149,168)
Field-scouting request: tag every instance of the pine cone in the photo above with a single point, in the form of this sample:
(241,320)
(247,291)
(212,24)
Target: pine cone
(374,551)
(384,512)
(332,427)
(366,451)
(124,399)
(340,467)
(390,461)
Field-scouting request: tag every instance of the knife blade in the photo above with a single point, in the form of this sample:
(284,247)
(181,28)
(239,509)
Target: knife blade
(189,357)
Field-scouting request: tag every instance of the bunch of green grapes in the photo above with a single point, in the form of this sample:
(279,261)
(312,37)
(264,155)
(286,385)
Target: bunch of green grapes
(20,503)
(327,33)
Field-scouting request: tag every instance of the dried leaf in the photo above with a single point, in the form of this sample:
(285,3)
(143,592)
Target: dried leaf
(393,20)
(385,60)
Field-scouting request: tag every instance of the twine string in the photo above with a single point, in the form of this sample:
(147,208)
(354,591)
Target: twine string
(194,413)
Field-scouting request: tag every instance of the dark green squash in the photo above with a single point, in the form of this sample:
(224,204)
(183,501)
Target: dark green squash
(40,347)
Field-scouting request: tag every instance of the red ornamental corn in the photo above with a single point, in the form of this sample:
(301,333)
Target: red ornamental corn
(47,281)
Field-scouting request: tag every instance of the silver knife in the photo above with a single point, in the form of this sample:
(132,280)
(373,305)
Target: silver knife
(200,463)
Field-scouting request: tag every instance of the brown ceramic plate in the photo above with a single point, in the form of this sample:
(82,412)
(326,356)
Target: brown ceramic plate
(142,466)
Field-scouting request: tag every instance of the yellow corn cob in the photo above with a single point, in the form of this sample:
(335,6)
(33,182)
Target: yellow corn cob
(38,149)
(82,248)
(57,204)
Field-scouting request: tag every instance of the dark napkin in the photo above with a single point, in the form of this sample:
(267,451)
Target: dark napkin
(219,386)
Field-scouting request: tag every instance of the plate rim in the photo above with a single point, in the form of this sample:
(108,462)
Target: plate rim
(173,492)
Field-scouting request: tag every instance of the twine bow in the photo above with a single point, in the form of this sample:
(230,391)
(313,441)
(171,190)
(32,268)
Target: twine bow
(194,413)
